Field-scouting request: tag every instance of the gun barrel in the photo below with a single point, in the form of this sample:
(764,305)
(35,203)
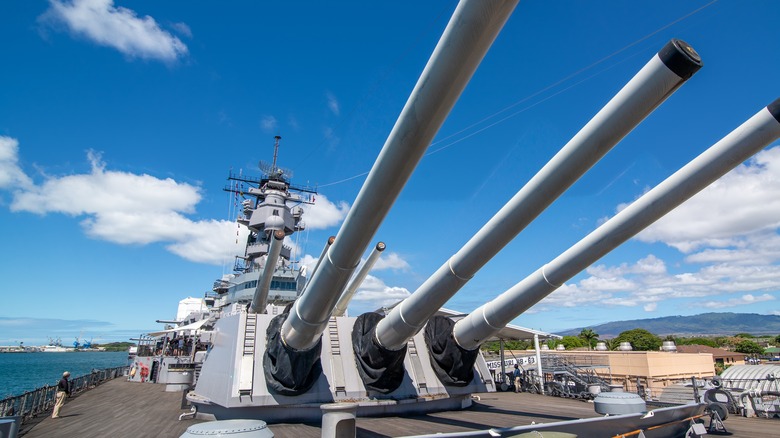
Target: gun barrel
(346,297)
(330,241)
(656,81)
(260,298)
(470,32)
(726,154)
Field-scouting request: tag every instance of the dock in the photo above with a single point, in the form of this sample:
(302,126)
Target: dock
(118,409)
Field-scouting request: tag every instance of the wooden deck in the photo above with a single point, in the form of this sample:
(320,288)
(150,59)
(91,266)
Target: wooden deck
(120,409)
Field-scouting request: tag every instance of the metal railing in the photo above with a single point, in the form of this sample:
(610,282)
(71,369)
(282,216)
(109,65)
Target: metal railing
(37,401)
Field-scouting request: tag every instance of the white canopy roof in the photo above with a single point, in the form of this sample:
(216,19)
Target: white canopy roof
(509,332)
(189,327)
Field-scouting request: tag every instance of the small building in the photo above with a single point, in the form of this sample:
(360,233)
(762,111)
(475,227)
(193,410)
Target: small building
(651,370)
(720,357)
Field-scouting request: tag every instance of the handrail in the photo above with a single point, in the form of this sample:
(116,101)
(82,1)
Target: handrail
(32,403)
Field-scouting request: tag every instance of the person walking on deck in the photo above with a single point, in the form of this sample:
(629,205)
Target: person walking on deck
(516,375)
(63,390)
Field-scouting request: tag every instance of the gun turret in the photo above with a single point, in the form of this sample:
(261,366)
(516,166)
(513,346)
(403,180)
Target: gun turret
(749,138)
(470,32)
(657,80)
(364,360)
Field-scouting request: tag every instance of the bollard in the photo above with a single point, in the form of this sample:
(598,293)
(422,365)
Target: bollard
(9,426)
(338,420)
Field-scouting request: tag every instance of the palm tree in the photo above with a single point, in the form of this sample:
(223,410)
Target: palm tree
(589,336)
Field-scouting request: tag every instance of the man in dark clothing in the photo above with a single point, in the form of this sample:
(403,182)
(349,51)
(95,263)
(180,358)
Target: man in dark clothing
(63,390)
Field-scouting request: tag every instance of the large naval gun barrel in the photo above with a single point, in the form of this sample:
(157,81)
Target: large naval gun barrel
(349,292)
(739,145)
(666,71)
(260,298)
(470,32)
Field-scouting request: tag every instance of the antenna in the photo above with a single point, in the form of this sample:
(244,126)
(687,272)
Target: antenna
(276,150)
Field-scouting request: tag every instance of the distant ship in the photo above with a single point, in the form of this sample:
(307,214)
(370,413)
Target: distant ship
(55,346)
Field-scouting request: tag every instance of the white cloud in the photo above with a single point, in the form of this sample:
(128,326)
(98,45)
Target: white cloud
(374,294)
(744,299)
(391,261)
(125,208)
(11,175)
(117,27)
(333,103)
(128,209)
(103,191)
(730,229)
(269,124)
(632,285)
(738,206)
(324,213)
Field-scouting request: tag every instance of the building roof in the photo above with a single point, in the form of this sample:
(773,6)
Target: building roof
(715,352)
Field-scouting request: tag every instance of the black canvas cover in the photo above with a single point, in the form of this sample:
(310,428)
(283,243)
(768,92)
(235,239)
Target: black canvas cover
(289,371)
(453,364)
(382,370)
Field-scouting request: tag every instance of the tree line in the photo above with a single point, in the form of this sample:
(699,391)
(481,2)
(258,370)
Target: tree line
(643,340)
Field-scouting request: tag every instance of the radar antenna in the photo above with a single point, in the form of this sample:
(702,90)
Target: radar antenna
(271,169)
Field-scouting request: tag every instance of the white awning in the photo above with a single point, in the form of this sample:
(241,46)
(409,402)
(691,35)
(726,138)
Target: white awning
(511,331)
(189,327)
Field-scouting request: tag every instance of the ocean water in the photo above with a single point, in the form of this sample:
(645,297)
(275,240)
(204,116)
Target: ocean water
(20,372)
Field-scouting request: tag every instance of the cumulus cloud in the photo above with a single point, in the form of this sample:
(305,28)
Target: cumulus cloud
(633,285)
(324,213)
(391,261)
(374,294)
(729,213)
(117,27)
(11,175)
(730,230)
(125,208)
(744,299)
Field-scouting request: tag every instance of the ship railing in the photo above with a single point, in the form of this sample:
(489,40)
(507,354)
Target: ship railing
(30,404)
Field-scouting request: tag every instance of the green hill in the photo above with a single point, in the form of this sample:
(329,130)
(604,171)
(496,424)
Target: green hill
(705,324)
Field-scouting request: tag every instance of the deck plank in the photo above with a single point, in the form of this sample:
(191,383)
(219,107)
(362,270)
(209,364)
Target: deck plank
(119,409)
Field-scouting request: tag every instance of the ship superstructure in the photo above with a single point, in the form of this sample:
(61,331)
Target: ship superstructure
(270,207)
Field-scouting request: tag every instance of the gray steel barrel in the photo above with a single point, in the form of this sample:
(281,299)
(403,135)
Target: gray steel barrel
(657,80)
(346,297)
(736,147)
(260,298)
(468,36)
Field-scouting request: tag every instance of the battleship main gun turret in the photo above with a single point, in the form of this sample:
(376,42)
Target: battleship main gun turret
(293,347)
(385,339)
(308,353)
(297,367)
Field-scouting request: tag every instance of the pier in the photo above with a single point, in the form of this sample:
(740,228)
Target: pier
(123,409)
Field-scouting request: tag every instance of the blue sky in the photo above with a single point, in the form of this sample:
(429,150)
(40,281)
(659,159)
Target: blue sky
(119,122)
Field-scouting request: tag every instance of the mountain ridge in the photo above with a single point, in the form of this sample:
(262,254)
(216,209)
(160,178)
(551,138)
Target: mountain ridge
(705,324)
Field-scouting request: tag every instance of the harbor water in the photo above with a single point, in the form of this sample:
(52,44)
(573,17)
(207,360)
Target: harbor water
(20,372)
